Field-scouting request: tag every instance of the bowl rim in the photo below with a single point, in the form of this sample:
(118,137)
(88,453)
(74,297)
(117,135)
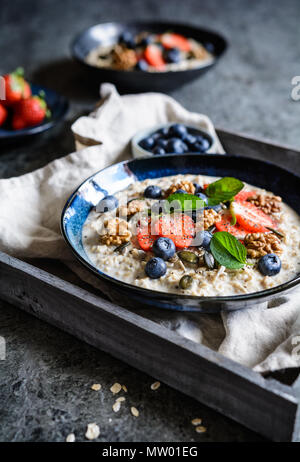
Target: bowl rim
(169,295)
(78,36)
(12,134)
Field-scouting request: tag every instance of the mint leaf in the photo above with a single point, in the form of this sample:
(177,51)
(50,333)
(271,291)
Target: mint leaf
(184,202)
(223,190)
(227,250)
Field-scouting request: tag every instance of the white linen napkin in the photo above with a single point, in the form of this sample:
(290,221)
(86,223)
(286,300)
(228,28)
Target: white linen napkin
(262,338)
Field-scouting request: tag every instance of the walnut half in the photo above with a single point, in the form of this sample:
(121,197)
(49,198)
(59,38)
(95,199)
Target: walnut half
(267,203)
(185,185)
(260,244)
(116,232)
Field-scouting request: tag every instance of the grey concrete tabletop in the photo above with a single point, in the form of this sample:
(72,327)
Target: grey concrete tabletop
(45,381)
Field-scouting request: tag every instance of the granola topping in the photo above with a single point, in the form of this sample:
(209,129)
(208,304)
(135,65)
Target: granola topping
(124,58)
(185,185)
(116,232)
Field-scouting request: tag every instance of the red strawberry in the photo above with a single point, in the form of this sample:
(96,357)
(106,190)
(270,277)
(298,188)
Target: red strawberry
(179,228)
(244,195)
(252,218)
(30,112)
(154,57)
(225,225)
(3,114)
(175,41)
(16,87)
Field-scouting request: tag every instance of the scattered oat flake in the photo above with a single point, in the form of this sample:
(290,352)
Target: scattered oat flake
(124,388)
(134,411)
(96,386)
(70,438)
(92,432)
(196,421)
(116,388)
(200,429)
(120,400)
(116,406)
(155,385)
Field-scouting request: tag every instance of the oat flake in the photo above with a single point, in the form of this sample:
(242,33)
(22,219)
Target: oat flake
(116,406)
(155,385)
(92,432)
(96,386)
(124,388)
(134,411)
(116,388)
(196,421)
(70,438)
(200,429)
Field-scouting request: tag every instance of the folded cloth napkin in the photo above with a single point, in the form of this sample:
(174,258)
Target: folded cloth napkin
(262,338)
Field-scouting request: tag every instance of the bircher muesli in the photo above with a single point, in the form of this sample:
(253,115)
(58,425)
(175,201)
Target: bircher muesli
(195,235)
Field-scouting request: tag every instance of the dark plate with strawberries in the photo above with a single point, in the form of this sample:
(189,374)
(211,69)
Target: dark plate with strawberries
(147,56)
(28,109)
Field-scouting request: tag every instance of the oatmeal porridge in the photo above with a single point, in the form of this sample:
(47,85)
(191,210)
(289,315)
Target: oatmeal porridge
(194,235)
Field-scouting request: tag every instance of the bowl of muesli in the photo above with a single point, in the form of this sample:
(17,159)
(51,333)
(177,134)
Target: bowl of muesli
(188,232)
(147,55)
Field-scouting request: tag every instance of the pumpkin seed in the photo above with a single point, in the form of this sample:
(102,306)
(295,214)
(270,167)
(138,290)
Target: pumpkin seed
(209,260)
(121,247)
(187,256)
(185,282)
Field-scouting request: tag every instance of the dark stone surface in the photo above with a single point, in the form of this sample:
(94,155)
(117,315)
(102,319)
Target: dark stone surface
(45,380)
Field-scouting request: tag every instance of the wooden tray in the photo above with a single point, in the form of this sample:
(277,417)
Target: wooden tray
(268,405)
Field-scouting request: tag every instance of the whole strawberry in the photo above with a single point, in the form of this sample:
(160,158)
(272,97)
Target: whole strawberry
(30,112)
(3,114)
(16,87)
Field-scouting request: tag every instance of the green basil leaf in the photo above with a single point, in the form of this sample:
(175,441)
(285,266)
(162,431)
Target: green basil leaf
(185,202)
(223,190)
(227,250)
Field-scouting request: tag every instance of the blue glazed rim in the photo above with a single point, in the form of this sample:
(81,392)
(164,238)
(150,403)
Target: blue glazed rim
(58,106)
(254,297)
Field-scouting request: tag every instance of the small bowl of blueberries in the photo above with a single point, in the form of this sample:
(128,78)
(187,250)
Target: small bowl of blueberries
(172,138)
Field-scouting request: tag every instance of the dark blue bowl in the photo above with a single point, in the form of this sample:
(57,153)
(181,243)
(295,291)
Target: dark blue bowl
(118,177)
(58,106)
(108,33)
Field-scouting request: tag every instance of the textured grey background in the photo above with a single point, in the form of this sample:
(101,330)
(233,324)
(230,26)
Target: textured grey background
(45,380)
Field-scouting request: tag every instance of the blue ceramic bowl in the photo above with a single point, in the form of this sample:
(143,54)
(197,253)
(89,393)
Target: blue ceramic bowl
(58,106)
(108,33)
(118,177)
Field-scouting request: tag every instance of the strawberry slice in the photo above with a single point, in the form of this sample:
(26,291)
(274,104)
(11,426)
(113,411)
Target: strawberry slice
(251,218)
(144,236)
(225,225)
(175,41)
(179,228)
(154,57)
(244,195)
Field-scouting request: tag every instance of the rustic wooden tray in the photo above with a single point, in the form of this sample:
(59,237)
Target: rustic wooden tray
(269,405)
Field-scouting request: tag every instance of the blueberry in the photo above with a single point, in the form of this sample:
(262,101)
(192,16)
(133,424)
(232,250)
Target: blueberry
(190,140)
(128,39)
(145,41)
(155,268)
(164,132)
(269,265)
(198,188)
(178,130)
(202,145)
(162,143)
(142,65)
(158,151)
(172,56)
(204,238)
(152,192)
(107,204)
(164,248)
(180,191)
(147,143)
(176,146)
(202,196)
